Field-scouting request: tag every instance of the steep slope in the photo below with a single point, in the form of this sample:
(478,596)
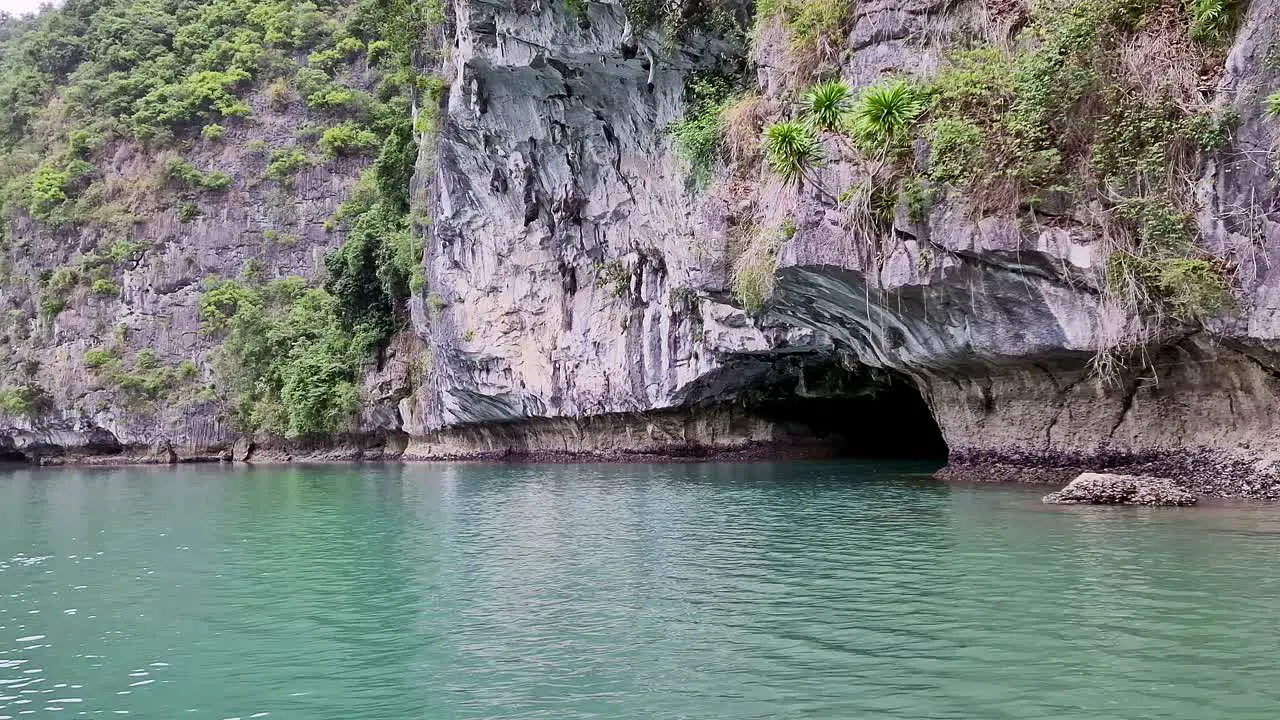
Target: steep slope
(182,180)
(1065,247)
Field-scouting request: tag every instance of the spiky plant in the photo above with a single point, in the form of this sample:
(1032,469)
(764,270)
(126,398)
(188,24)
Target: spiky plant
(791,150)
(827,104)
(1211,20)
(885,112)
(1271,106)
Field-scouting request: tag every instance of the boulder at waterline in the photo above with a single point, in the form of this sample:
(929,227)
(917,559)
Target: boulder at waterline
(1105,489)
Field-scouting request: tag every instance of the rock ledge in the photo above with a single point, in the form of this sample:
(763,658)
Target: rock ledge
(1104,489)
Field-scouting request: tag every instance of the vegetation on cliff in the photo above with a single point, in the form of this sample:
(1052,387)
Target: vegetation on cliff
(1074,105)
(91,83)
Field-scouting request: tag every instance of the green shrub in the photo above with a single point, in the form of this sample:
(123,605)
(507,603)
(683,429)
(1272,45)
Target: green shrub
(285,361)
(188,211)
(201,94)
(809,23)
(827,105)
(884,113)
(347,139)
(98,358)
(326,60)
(1210,129)
(1212,21)
(349,46)
(212,131)
(23,400)
(1271,106)
(55,289)
(189,176)
(285,163)
(47,191)
(82,143)
(105,287)
(955,150)
(377,50)
(791,150)
(216,180)
(279,96)
(333,98)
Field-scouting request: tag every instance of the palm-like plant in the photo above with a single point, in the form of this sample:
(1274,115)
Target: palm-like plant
(1271,106)
(885,111)
(827,104)
(791,150)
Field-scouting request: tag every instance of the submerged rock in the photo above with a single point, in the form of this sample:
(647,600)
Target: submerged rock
(1104,489)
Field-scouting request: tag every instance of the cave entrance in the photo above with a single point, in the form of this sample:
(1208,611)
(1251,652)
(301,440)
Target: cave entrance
(879,415)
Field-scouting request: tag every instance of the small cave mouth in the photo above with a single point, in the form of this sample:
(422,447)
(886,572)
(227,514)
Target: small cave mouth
(874,415)
(9,456)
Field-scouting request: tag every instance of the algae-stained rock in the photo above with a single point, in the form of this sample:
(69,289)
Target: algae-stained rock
(1105,489)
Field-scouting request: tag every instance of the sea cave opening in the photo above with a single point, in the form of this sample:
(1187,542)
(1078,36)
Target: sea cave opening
(878,414)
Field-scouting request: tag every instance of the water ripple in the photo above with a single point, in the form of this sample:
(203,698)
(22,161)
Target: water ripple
(821,590)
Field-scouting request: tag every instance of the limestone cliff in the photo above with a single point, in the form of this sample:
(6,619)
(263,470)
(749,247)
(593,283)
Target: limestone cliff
(582,282)
(581,272)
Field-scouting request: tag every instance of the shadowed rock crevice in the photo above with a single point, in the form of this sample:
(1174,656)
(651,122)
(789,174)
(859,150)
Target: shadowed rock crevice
(880,415)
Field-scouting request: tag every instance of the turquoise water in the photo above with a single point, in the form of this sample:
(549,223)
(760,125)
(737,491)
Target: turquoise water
(815,590)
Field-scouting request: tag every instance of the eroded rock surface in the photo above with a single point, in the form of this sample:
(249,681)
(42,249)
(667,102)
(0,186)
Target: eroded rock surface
(1106,489)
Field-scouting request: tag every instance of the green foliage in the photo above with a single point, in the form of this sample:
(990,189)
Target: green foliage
(23,400)
(791,150)
(286,363)
(279,96)
(212,131)
(1271,106)
(1162,269)
(98,358)
(201,95)
(699,136)
(285,163)
(188,176)
(349,46)
(105,287)
(809,23)
(144,379)
(48,191)
(827,105)
(377,50)
(338,98)
(1210,129)
(347,139)
(955,150)
(327,60)
(55,289)
(1213,22)
(188,211)
(614,277)
(82,143)
(754,268)
(885,113)
(370,275)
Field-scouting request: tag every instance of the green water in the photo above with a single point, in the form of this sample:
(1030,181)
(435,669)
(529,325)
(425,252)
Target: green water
(602,591)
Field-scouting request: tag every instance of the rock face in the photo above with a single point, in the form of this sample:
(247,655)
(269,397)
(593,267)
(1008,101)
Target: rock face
(579,273)
(577,290)
(1103,489)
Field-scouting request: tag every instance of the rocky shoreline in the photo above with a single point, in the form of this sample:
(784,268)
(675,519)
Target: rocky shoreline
(1193,474)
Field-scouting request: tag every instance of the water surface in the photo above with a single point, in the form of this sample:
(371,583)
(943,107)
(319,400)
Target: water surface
(727,592)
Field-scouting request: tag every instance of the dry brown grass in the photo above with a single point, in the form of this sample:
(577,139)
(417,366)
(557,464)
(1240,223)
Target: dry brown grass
(744,122)
(1162,59)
